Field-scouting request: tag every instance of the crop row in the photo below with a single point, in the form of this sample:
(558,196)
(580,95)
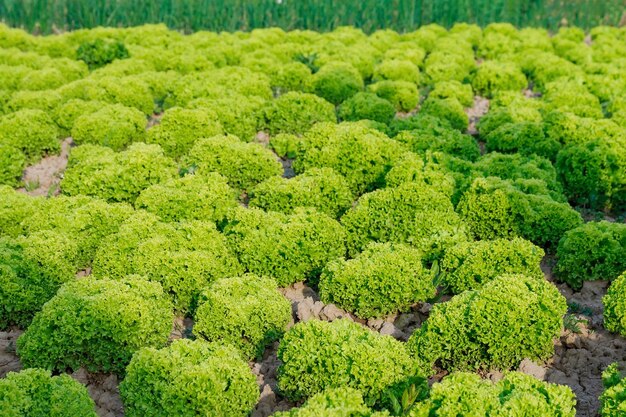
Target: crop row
(321,15)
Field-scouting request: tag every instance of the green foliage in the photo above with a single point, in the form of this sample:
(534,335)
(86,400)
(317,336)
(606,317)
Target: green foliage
(34,392)
(31,131)
(449,109)
(158,85)
(569,129)
(413,168)
(46,100)
(526,138)
(320,15)
(180,128)
(397,70)
(130,91)
(469,265)
(116,177)
(235,82)
(454,89)
(295,112)
(25,285)
(359,153)
(43,79)
(385,278)
(423,123)
(191,197)
(544,67)
(572,97)
(514,111)
(445,66)
(285,145)
(189,378)
(113,125)
(595,250)
(494,76)
(288,248)
(410,213)
(183,257)
(247,312)
(464,393)
(432,134)
(495,208)
(615,306)
(67,113)
(402,94)
(293,76)
(594,173)
(101,52)
(366,106)
(337,82)
(65,232)
(522,171)
(96,324)
(611,375)
(318,355)
(321,188)
(401,398)
(238,114)
(495,327)
(612,399)
(333,402)
(12,164)
(244,164)
(15,207)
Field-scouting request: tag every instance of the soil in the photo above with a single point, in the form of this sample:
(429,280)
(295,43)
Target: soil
(43,178)
(103,389)
(478,110)
(9,362)
(288,171)
(584,349)
(263,138)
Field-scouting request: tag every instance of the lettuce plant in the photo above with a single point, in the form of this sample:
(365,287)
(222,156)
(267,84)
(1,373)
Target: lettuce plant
(179,129)
(191,197)
(464,393)
(295,113)
(183,257)
(321,188)
(97,171)
(508,319)
(189,378)
(410,213)
(97,324)
(469,265)
(244,164)
(247,312)
(615,306)
(385,278)
(595,250)
(318,355)
(113,125)
(36,392)
(289,248)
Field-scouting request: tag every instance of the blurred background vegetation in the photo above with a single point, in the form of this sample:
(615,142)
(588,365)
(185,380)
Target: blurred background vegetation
(321,15)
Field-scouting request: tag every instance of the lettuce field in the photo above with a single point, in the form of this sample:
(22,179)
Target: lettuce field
(302,224)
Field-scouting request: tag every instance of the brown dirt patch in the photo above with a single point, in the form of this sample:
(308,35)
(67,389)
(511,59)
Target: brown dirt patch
(43,178)
(478,110)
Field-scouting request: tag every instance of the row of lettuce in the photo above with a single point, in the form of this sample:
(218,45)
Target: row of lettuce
(192,217)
